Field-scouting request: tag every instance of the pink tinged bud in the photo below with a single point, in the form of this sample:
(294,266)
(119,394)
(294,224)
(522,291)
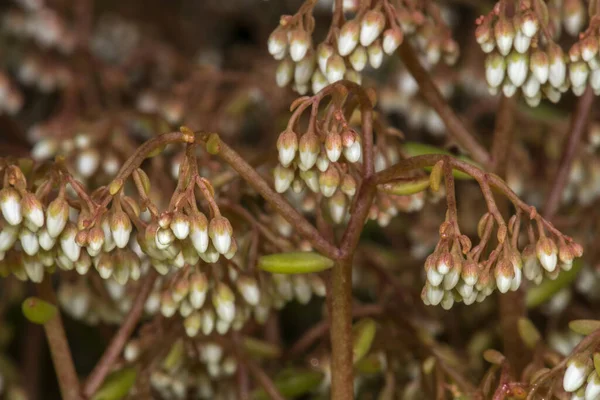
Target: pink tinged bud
(483,33)
(336,68)
(348,38)
(529,24)
(517,68)
(220,231)
(8,236)
(576,374)
(299,44)
(329,181)
(29,242)
(574,17)
(163,238)
(57,216)
(120,227)
(495,67)
(531,88)
(324,51)
(592,390)
(488,47)
(180,225)
(32,210)
(392,39)
(433,276)
(444,263)
(309,147)
(199,232)
(547,253)
(504,274)
(109,243)
(10,204)
(277,43)
(337,207)
(504,34)
(284,72)
(371,27)
(348,185)
(304,69)
(223,301)
(249,290)
(578,73)
(557,70)
(517,279)
(470,273)
(287,145)
(283,178)
(358,58)
(451,278)
(589,48)
(375,53)
(521,42)
(434,294)
(333,146)
(104,266)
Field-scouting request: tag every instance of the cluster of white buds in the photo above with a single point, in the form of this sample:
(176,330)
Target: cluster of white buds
(349,48)
(43,25)
(321,163)
(452,277)
(522,55)
(581,378)
(571,13)
(584,60)
(11,98)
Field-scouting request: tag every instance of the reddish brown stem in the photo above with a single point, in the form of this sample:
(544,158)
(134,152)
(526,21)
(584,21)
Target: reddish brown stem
(59,347)
(114,349)
(579,122)
(431,93)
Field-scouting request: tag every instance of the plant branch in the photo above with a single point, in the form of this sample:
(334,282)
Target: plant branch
(59,346)
(430,92)
(579,122)
(114,349)
(305,228)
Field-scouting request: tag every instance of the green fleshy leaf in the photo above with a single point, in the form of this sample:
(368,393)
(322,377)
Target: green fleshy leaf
(117,385)
(292,383)
(363,334)
(370,365)
(37,310)
(584,326)
(414,149)
(544,291)
(261,349)
(294,263)
(528,332)
(405,187)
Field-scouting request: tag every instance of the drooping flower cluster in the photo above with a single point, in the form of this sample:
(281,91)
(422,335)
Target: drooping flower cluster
(584,66)
(351,45)
(456,271)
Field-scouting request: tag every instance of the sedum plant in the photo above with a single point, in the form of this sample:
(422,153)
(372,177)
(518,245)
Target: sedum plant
(407,222)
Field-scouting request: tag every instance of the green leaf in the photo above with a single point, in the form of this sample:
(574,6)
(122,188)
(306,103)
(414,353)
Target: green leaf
(363,334)
(543,292)
(292,383)
(414,149)
(493,356)
(294,263)
(370,365)
(117,385)
(405,187)
(37,310)
(584,326)
(261,349)
(528,332)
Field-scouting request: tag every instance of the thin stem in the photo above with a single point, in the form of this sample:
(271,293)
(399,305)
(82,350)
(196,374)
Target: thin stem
(431,93)
(305,228)
(59,347)
(579,122)
(262,378)
(114,349)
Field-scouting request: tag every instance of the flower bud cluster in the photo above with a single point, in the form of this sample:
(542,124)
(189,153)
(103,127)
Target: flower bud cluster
(321,162)
(584,60)
(455,273)
(522,55)
(349,48)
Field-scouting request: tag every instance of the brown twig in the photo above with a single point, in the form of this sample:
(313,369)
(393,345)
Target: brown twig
(59,347)
(579,122)
(114,349)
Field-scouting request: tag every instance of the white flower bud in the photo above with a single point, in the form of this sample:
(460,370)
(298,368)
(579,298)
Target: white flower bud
(87,162)
(539,65)
(199,232)
(32,210)
(57,216)
(557,70)
(375,54)
(277,42)
(33,268)
(575,374)
(284,72)
(283,178)
(578,73)
(358,58)
(220,231)
(348,38)
(299,44)
(392,39)
(517,68)
(304,69)
(248,288)
(287,145)
(371,27)
(29,242)
(592,390)
(547,253)
(223,301)
(319,81)
(336,68)
(8,237)
(10,204)
(180,225)
(509,89)
(521,42)
(495,68)
(531,87)
(434,294)
(208,321)
(44,149)
(504,34)
(68,244)
(120,228)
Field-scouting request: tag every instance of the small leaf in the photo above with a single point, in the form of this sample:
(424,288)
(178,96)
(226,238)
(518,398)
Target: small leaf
(428,365)
(543,292)
(294,263)
(414,149)
(363,334)
(213,144)
(405,187)
(174,357)
(528,332)
(117,385)
(435,178)
(493,356)
(370,365)
(584,326)
(292,383)
(37,310)
(597,362)
(261,349)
